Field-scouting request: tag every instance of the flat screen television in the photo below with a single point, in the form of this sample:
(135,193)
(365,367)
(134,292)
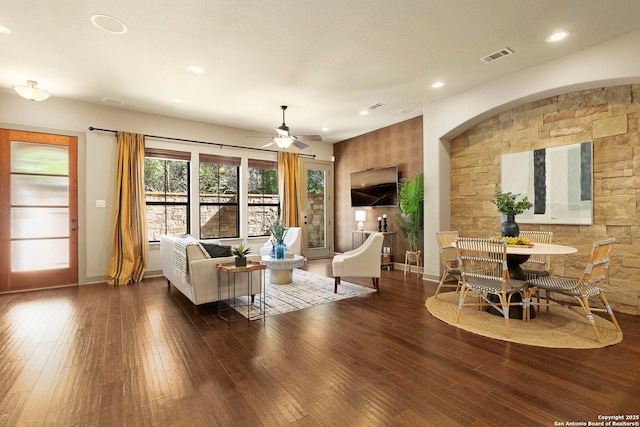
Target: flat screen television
(375,187)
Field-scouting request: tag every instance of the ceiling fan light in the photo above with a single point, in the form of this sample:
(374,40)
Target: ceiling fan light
(31,92)
(283,142)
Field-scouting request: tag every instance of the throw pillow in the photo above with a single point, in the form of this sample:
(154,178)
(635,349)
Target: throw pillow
(216,251)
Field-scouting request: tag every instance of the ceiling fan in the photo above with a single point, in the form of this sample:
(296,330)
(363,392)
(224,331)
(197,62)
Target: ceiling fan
(284,138)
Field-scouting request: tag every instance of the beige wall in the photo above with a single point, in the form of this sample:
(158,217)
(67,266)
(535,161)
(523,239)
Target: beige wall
(399,144)
(610,118)
(97,161)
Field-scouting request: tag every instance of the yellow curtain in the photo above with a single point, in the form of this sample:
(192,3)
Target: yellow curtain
(288,179)
(129,251)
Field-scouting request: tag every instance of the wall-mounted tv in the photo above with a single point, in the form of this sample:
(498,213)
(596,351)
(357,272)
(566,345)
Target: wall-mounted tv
(375,187)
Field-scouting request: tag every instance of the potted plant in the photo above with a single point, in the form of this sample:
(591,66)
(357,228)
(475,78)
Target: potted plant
(509,206)
(240,252)
(411,219)
(278,231)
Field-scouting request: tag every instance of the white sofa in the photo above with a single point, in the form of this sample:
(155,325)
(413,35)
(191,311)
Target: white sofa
(198,279)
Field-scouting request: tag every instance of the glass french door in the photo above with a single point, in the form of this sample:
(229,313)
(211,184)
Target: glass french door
(38,210)
(317,208)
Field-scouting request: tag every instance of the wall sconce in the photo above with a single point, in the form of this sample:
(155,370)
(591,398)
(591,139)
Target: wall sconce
(361,217)
(31,92)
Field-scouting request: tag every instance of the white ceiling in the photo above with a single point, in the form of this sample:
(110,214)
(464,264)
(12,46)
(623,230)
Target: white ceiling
(326,59)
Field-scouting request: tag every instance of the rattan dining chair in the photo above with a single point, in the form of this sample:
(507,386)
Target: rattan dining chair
(449,258)
(585,287)
(483,269)
(537,265)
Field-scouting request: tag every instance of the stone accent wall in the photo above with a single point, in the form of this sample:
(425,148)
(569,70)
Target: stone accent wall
(400,144)
(610,117)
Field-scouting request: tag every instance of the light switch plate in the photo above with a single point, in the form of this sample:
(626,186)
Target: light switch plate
(100,204)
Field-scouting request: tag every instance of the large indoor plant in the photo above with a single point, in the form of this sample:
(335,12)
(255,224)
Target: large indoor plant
(509,206)
(411,199)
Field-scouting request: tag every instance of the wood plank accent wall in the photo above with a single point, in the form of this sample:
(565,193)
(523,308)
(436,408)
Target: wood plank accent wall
(610,117)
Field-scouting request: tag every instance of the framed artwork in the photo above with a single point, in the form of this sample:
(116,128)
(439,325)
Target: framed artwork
(557,180)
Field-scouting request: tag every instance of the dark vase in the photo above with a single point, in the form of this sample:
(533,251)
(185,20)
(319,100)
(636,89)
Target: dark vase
(241,262)
(280,249)
(510,226)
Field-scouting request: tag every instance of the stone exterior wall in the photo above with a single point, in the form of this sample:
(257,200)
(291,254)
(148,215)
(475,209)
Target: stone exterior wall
(610,117)
(258,221)
(315,221)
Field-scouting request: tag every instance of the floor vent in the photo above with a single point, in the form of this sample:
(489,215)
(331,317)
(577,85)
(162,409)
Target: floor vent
(375,106)
(497,55)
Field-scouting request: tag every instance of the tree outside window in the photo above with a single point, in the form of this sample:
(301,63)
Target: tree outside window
(166,186)
(264,200)
(219,207)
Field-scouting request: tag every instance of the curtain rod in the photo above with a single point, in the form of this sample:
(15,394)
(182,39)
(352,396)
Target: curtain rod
(91,128)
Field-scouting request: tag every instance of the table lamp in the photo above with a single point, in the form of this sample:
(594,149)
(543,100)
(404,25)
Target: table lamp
(361,217)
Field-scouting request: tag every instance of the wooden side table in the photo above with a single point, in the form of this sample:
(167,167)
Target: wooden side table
(408,256)
(230,270)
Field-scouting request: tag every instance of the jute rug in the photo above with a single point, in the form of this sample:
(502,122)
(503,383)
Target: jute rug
(560,328)
(307,290)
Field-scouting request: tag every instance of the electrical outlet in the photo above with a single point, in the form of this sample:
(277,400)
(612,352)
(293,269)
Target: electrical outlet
(100,204)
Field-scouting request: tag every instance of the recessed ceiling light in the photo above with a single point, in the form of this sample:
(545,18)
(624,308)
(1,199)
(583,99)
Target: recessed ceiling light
(195,69)
(364,113)
(405,111)
(4,30)
(556,37)
(325,129)
(113,101)
(109,24)
(437,85)
(177,100)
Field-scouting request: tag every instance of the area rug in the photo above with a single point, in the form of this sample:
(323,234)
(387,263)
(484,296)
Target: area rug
(307,290)
(560,328)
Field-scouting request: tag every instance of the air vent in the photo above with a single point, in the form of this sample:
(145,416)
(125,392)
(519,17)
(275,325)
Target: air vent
(375,106)
(497,55)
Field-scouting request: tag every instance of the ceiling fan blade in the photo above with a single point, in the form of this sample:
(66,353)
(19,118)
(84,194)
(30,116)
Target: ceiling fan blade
(309,137)
(300,145)
(257,136)
(269,144)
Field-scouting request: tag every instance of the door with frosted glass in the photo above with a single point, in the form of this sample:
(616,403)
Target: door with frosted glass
(38,210)
(317,208)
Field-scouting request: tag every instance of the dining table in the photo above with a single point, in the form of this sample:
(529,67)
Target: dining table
(518,254)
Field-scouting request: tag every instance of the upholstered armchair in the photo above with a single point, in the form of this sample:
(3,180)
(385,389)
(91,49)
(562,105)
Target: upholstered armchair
(363,261)
(292,238)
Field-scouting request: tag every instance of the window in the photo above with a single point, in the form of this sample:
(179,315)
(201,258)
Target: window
(264,200)
(166,187)
(219,207)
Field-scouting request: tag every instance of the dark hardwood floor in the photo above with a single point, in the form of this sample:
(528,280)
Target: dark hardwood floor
(139,355)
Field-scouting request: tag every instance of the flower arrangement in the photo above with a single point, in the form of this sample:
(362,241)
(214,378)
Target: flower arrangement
(278,230)
(508,203)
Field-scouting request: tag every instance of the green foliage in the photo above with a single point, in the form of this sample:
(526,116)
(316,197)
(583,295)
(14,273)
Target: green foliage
(278,229)
(263,181)
(165,176)
(315,181)
(218,179)
(507,203)
(411,219)
(240,251)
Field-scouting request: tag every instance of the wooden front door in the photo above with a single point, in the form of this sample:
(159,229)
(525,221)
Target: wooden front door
(38,210)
